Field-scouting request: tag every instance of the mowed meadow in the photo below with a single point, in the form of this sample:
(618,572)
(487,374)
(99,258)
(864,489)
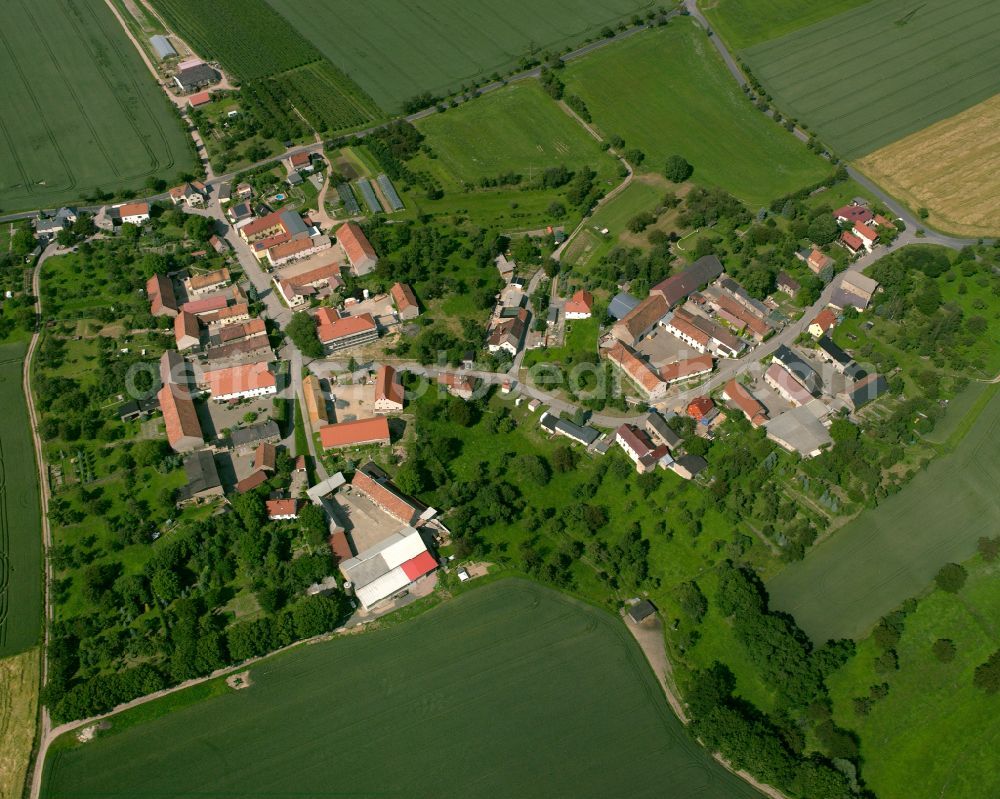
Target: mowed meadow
(20,516)
(892,552)
(80,110)
(534,693)
(399,49)
(666,91)
(516,129)
(951,168)
(884,70)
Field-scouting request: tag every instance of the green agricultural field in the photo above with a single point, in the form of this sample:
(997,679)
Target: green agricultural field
(517,129)
(80,110)
(934,723)
(20,519)
(399,49)
(534,693)
(892,552)
(284,78)
(667,92)
(869,76)
(742,23)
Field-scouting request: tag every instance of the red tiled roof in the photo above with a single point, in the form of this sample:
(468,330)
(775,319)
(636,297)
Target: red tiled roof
(185,324)
(354,242)
(238,379)
(636,439)
(265,456)
(359,431)
(281,507)
(687,367)
(746,402)
(251,481)
(266,222)
(286,249)
(581,302)
(392,503)
(214,302)
(160,291)
(346,326)
(417,567)
(329,273)
(865,232)
(133,209)
(403,296)
(387,386)
(640,371)
(179,414)
(699,406)
(200,99)
(341,548)
(825,319)
(239,309)
(851,240)
(299,159)
(646,314)
(819,260)
(197,282)
(853,213)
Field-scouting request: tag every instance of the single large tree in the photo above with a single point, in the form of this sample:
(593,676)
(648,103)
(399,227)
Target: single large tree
(678,169)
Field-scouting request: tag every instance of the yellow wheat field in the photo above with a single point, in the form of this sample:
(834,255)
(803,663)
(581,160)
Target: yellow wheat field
(951,168)
(18,714)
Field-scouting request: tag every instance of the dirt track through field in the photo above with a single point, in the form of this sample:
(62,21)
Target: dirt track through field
(951,168)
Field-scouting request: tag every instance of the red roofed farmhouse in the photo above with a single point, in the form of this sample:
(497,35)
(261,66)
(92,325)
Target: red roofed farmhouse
(162,300)
(388,391)
(580,305)
(237,382)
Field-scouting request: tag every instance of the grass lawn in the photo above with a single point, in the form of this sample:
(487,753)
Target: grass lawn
(872,75)
(893,551)
(399,49)
(667,92)
(933,723)
(743,23)
(20,518)
(571,703)
(19,677)
(517,129)
(80,108)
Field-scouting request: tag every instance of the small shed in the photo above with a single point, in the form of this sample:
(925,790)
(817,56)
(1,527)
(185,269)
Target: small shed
(641,611)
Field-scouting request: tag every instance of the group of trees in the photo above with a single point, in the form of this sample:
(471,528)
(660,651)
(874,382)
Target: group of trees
(773,746)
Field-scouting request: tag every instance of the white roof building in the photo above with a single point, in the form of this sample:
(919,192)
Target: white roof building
(389,566)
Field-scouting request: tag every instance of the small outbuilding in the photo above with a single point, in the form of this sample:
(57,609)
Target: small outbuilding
(641,611)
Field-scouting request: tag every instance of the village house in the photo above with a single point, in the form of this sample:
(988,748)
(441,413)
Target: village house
(851,243)
(841,361)
(687,369)
(701,409)
(505,267)
(249,438)
(801,429)
(388,391)
(645,378)
(787,284)
(855,290)
(508,333)
(132,213)
(265,457)
(824,322)
(579,306)
(187,331)
(703,335)
(865,389)
(869,238)
(239,382)
(689,466)
(786,384)
(212,304)
(162,300)
(298,161)
(795,364)
(637,444)
(657,427)
(282,509)
(193,194)
(740,398)
(225,315)
(737,315)
(244,191)
(358,250)
(405,301)
(357,433)
(374,484)
(297,249)
(854,214)
(200,285)
(585,435)
(818,261)
(457,385)
(337,333)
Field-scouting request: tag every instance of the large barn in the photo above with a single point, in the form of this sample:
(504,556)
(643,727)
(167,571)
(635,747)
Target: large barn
(389,566)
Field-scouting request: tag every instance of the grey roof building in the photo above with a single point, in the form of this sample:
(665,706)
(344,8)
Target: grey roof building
(800,429)
(866,389)
(622,305)
(677,288)
(202,477)
(255,434)
(584,435)
(641,610)
(162,46)
(656,425)
(798,367)
(196,77)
